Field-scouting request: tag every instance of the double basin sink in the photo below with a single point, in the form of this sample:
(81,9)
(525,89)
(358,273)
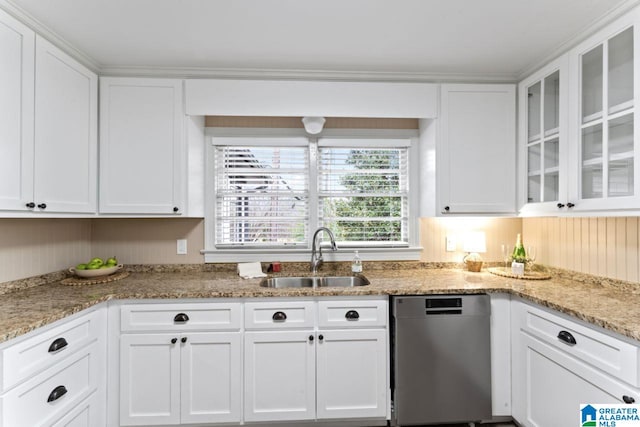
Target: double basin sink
(314,282)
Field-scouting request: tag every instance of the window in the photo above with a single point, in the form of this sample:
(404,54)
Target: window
(271,193)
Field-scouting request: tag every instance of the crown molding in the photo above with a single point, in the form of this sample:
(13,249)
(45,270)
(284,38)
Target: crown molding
(587,30)
(44,31)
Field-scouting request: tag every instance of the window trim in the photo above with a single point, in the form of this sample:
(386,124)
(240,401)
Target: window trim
(213,254)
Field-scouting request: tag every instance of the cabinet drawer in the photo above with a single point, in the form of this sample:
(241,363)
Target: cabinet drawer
(605,352)
(279,315)
(54,392)
(183,317)
(350,314)
(41,351)
(83,415)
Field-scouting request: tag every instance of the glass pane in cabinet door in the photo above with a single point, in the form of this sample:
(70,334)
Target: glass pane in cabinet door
(533,112)
(592,84)
(533,189)
(533,158)
(551,186)
(621,137)
(621,71)
(592,162)
(552,103)
(551,154)
(621,178)
(592,181)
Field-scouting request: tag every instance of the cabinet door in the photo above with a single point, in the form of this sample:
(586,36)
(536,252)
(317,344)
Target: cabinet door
(141,146)
(352,373)
(16,109)
(476,149)
(210,372)
(543,140)
(149,379)
(279,376)
(66,142)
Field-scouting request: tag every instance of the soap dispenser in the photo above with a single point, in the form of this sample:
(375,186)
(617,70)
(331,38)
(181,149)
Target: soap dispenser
(356,264)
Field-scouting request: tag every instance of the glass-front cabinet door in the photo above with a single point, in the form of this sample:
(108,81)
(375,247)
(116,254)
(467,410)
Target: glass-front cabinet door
(606,150)
(543,139)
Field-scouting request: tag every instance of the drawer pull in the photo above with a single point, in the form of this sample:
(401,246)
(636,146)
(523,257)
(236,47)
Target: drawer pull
(181,318)
(57,345)
(628,399)
(352,315)
(57,393)
(567,337)
(279,316)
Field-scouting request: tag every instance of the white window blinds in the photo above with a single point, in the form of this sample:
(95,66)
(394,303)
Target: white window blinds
(364,193)
(262,196)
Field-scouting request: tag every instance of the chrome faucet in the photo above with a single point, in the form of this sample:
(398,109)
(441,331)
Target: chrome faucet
(316,259)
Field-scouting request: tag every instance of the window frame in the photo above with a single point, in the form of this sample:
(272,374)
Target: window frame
(301,253)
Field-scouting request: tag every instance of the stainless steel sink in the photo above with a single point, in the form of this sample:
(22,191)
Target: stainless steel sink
(314,282)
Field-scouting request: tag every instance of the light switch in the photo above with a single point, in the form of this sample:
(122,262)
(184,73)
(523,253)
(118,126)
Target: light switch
(451,244)
(181,246)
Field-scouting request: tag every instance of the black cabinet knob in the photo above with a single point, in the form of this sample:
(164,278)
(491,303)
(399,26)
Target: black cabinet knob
(447,208)
(628,399)
(320,337)
(30,205)
(560,205)
(570,205)
(174,340)
(183,340)
(57,393)
(42,206)
(175,209)
(279,316)
(310,338)
(181,318)
(57,345)
(352,315)
(566,337)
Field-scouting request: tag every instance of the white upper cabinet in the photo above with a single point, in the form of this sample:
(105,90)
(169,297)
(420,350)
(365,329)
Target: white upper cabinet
(141,146)
(543,139)
(602,111)
(17,44)
(476,150)
(66,132)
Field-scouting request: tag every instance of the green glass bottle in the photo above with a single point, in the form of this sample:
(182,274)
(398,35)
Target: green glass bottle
(519,254)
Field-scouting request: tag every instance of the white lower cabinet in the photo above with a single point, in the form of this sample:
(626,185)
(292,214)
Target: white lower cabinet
(552,377)
(172,378)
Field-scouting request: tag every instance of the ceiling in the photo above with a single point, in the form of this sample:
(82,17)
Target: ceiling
(492,38)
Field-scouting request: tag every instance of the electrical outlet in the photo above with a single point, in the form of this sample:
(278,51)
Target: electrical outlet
(451,244)
(181,245)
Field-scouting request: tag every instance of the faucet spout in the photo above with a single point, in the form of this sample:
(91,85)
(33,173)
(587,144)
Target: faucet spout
(316,254)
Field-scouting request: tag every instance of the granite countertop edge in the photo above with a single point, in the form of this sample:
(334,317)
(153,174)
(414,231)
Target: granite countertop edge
(609,307)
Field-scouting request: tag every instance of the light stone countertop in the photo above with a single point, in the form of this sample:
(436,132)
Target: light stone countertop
(613,307)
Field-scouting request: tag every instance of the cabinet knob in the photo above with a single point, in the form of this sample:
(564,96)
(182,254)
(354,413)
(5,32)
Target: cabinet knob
(320,337)
(628,399)
(175,209)
(183,340)
(447,208)
(57,393)
(174,340)
(181,318)
(570,205)
(352,315)
(42,206)
(57,345)
(279,316)
(560,205)
(566,337)
(310,338)
(30,205)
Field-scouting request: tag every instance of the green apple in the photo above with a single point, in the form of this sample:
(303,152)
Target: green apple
(96,261)
(81,267)
(112,262)
(92,266)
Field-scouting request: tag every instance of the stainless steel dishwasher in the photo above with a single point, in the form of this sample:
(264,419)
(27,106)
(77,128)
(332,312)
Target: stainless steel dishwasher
(441,357)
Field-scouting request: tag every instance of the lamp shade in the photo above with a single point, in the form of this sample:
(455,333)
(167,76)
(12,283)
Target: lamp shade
(313,125)
(475,241)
